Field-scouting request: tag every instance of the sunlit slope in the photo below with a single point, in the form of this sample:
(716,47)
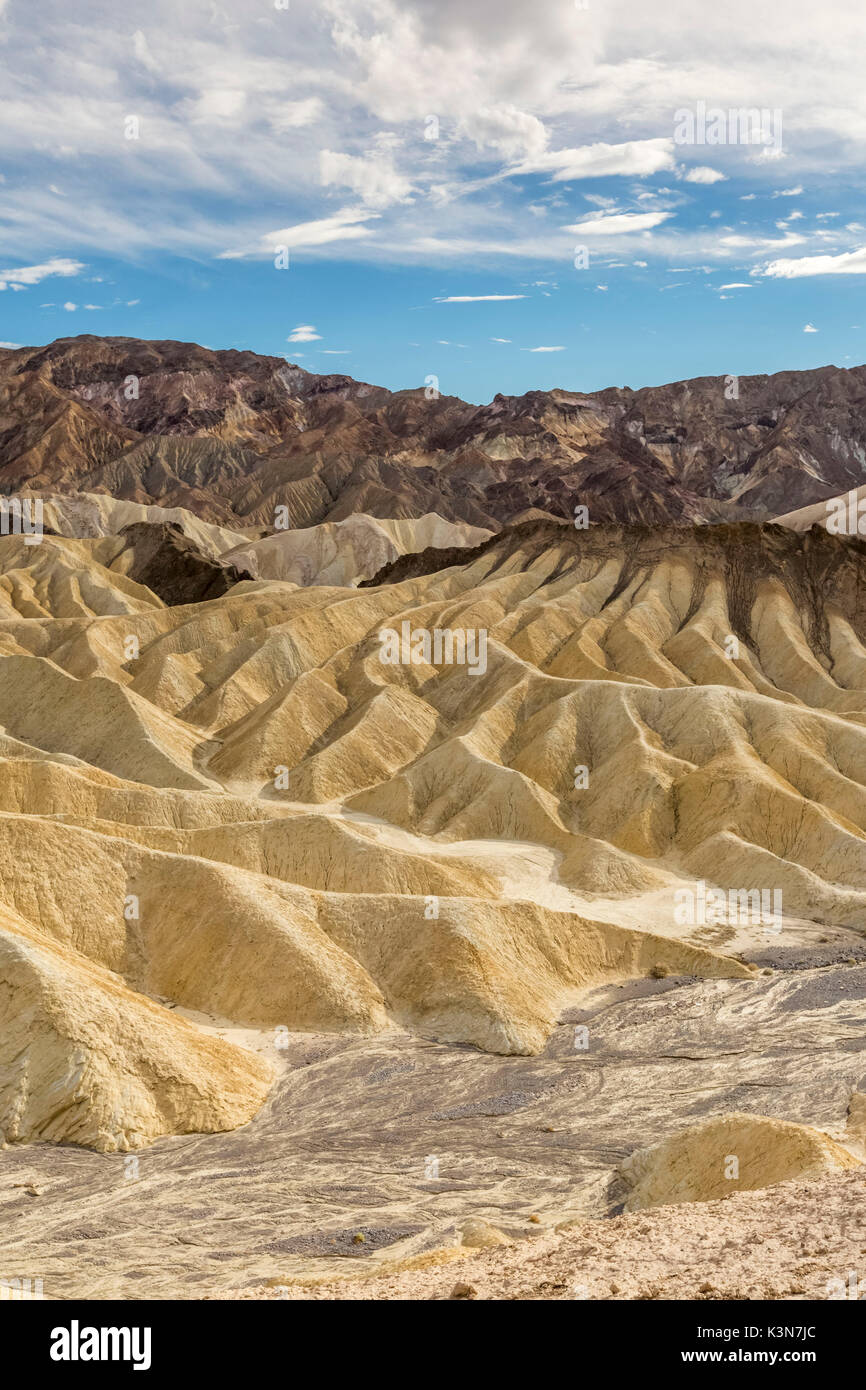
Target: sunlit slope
(315,838)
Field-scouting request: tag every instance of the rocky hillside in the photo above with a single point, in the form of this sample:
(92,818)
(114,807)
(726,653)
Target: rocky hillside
(232,436)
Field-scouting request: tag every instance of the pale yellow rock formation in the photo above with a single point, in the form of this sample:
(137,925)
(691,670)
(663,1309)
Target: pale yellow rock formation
(85,1060)
(96,514)
(727,1154)
(344,552)
(335,552)
(317,839)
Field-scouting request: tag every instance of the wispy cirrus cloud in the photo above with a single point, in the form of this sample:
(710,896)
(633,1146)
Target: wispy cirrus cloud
(475,298)
(634,159)
(346,225)
(617,223)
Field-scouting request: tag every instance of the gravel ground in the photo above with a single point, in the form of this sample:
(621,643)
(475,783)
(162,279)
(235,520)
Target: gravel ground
(797,1240)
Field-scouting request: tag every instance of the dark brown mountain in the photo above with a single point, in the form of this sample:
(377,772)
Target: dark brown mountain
(817,570)
(172,565)
(233,435)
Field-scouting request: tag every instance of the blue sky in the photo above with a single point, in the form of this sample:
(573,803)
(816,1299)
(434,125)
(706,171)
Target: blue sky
(503,198)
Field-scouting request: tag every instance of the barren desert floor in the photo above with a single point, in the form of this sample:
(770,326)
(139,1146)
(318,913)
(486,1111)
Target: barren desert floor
(344,1144)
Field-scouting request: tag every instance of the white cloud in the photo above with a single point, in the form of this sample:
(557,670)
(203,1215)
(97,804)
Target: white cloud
(847,263)
(636,158)
(476,298)
(342,226)
(810,328)
(545,349)
(70,307)
(616,223)
(512,133)
(373,177)
(739,285)
(737,242)
(500,340)
(237,101)
(217,104)
(292,115)
(11,345)
(702,173)
(304,333)
(142,52)
(25,275)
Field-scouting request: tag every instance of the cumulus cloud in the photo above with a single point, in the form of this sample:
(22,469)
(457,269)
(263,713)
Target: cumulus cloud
(702,173)
(846,263)
(512,133)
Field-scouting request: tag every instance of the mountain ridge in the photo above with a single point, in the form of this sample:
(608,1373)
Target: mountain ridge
(233,435)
